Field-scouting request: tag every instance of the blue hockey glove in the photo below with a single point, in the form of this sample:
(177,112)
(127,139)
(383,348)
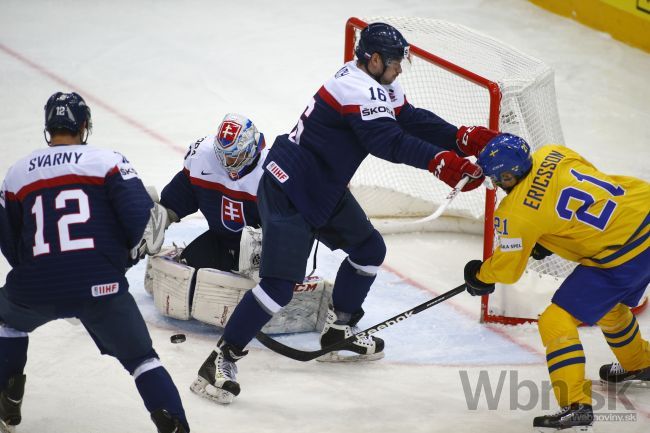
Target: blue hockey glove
(476,287)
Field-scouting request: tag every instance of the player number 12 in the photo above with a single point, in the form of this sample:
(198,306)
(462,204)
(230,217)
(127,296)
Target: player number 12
(60,202)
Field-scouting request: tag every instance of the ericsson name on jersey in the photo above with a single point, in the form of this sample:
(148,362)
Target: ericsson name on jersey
(351,116)
(69,216)
(572,209)
(228,204)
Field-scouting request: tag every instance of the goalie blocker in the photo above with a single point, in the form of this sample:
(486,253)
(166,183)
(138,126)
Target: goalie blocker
(215,294)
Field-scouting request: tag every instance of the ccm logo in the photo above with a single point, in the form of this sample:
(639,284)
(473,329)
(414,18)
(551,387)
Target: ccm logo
(105,289)
(308,287)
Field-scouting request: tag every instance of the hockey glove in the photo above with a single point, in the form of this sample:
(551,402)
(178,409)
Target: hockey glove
(451,168)
(540,253)
(476,287)
(154,233)
(471,140)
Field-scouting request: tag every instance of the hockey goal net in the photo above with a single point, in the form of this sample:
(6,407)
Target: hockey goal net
(467,78)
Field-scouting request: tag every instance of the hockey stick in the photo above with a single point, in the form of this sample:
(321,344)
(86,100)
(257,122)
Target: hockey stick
(302,355)
(450,197)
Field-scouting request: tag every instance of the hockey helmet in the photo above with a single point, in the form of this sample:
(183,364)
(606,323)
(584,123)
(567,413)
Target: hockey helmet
(67,111)
(237,143)
(505,153)
(384,39)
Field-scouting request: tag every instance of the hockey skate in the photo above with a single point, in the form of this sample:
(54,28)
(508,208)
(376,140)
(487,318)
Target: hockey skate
(337,329)
(165,423)
(614,375)
(577,417)
(217,378)
(11,398)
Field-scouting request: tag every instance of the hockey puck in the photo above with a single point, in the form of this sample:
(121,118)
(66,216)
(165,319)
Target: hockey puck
(177,338)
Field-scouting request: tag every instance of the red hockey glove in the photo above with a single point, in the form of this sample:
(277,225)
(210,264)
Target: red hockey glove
(471,140)
(451,168)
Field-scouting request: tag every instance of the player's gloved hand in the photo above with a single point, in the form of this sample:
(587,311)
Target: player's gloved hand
(539,252)
(154,233)
(472,139)
(476,287)
(451,168)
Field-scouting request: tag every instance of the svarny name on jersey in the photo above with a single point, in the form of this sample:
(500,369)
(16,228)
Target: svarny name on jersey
(55,159)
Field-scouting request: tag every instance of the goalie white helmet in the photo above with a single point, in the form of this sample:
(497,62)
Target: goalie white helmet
(237,144)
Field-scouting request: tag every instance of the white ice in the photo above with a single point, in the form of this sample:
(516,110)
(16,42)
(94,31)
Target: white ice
(158,74)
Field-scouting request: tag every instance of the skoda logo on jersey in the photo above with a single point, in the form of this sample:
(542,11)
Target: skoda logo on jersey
(228,133)
(232,214)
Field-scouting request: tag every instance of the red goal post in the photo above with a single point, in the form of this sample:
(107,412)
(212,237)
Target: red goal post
(471,79)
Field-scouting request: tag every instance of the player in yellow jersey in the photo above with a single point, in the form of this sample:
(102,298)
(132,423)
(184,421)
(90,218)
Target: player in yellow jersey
(557,202)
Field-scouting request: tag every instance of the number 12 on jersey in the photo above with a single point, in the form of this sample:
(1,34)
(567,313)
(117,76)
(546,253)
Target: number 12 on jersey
(41,246)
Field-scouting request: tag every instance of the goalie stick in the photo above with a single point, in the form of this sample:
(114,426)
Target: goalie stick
(302,355)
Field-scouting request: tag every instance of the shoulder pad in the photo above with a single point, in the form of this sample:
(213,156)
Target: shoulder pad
(352,91)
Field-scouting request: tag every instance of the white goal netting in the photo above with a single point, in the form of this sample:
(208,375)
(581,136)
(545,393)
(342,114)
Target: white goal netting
(452,70)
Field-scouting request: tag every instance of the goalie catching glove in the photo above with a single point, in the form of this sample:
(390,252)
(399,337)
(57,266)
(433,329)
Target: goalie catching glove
(451,168)
(154,232)
(471,140)
(476,287)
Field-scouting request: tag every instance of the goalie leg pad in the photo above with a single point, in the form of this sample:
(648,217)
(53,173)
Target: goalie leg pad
(216,295)
(171,285)
(307,310)
(172,253)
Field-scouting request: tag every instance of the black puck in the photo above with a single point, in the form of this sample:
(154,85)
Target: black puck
(177,338)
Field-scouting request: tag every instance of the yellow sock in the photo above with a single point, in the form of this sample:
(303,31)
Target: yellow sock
(564,356)
(622,333)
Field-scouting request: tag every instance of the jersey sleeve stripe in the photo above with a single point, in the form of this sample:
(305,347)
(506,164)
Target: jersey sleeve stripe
(113,171)
(329,99)
(398,109)
(240,195)
(332,102)
(71,179)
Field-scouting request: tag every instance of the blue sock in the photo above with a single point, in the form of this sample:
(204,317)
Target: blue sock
(247,319)
(13,357)
(350,288)
(159,392)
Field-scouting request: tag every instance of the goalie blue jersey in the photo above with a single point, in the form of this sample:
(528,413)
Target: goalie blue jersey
(350,117)
(69,216)
(204,184)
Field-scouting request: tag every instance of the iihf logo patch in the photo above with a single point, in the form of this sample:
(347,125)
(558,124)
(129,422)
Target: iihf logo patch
(232,214)
(228,133)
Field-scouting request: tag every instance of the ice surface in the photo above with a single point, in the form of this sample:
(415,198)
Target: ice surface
(159,74)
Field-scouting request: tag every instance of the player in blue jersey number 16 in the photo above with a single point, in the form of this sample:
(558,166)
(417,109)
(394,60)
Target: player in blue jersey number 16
(303,194)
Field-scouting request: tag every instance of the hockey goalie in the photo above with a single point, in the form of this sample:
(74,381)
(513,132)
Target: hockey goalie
(207,279)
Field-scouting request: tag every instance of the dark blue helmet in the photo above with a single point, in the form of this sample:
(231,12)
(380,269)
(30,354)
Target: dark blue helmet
(383,39)
(66,111)
(505,153)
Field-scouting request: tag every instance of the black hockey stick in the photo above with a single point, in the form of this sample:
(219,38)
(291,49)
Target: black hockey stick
(302,355)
